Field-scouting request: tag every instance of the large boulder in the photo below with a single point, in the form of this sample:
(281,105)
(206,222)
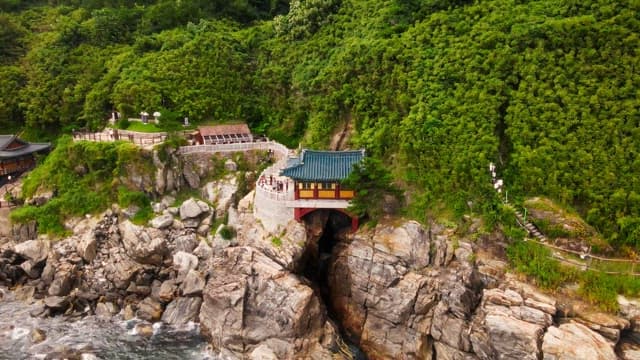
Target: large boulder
(193,208)
(193,284)
(162,221)
(63,281)
(87,247)
(149,310)
(34,250)
(184,262)
(182,310)
(250,301)
(146,246)
(574,341)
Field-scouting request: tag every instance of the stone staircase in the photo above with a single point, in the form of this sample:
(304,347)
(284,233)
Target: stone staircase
(529,226)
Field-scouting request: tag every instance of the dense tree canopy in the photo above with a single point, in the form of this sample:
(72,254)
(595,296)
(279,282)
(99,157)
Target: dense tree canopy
(546,89)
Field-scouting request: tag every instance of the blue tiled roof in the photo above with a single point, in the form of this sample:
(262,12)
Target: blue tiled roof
(314,165)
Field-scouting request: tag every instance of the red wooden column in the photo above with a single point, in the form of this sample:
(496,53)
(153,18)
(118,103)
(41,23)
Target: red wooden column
(315,190)
(354,223)
(337,192)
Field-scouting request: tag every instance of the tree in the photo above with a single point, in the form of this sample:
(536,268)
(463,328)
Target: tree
(374,187)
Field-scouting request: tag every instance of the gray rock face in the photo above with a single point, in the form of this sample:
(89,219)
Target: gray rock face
(251,301)
(575,342)
(34,250)
(182,310)
(192,208)
(385,298)
(162,221)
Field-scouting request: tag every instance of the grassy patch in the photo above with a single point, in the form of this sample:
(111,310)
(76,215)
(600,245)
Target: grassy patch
(142,127)
(597,288)
(84,178)
(535,261)
(276,241)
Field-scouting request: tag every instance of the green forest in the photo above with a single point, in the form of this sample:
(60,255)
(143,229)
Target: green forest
(549,90)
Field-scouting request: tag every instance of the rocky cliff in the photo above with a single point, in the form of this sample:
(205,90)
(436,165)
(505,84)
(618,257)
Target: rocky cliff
(400,290)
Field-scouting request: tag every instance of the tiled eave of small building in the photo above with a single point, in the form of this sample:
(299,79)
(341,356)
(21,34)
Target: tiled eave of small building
(322,166)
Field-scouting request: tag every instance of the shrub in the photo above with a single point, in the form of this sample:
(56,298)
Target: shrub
(227,232)
(276,241)
(535,261)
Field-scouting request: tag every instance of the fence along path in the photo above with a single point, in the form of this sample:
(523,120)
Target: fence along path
(582,260)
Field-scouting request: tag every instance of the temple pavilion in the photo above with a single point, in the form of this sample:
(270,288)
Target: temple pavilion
(317,174)
(317,177)
(17,155)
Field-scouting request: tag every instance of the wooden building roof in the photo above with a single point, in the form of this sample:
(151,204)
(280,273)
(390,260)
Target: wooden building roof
(11,147)
(322,166)
(221,130)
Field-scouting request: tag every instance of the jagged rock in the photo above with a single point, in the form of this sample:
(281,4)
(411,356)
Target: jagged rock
(158,207)
(183,262)
(138,289)
(31,269)
(38,336)
(56,302)
(445,352)
(167,290)
(191,223)
(121,270)
(24,293)
(203,251)
(162,221)
(24,232)
(193,284)
(106,310)
(63,281)
(509,338)
(192,208)
(128,312)
(149,310)
(34,250)
(191,175)
(87,247)
(146,246)
(221,193)
(409,242)
(629,350)
(574,341)
(182,310)
(186,242)
(396,298)
(607,325)
(252,300)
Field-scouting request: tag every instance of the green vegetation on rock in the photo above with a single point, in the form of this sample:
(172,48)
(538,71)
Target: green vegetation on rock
(85,177)
(546,89)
